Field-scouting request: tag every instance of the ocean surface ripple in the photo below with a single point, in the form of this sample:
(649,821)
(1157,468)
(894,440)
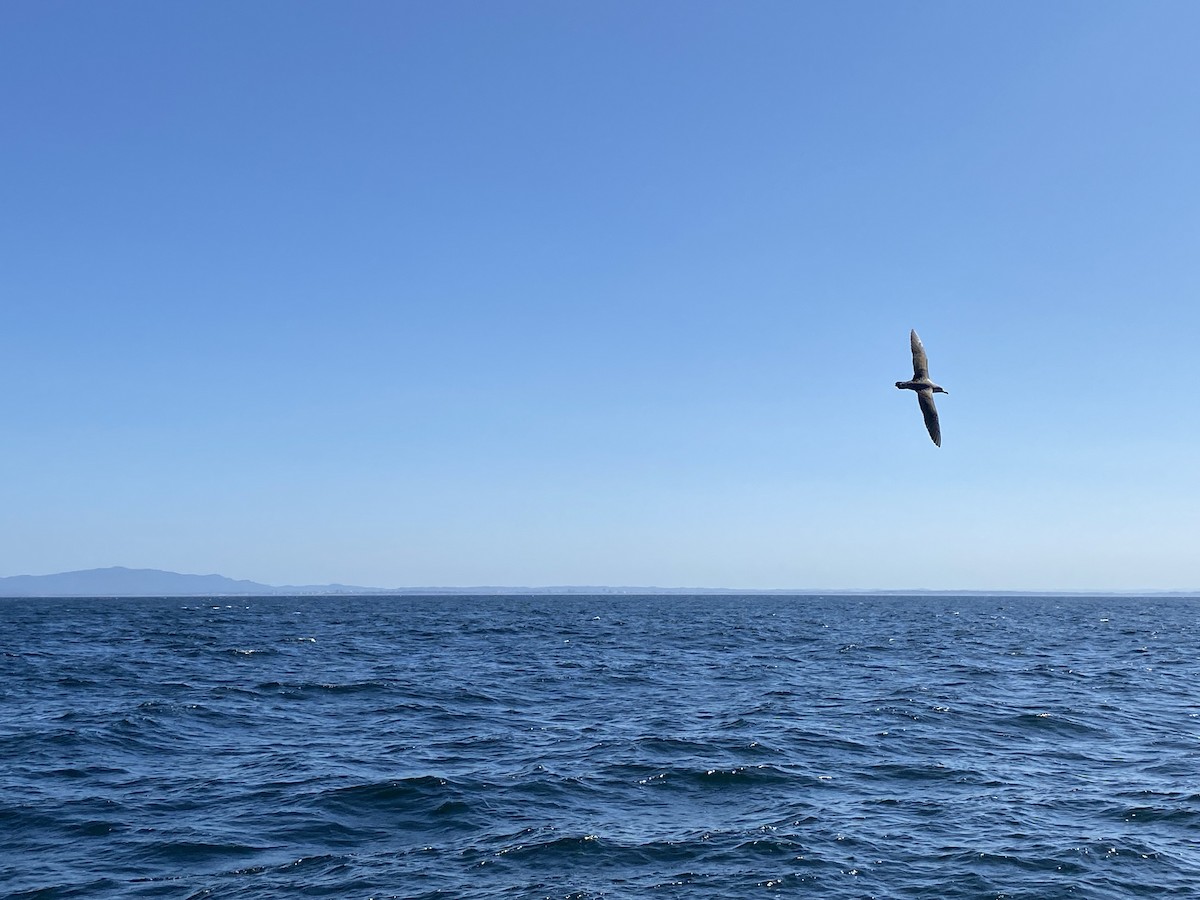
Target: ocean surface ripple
(600,747)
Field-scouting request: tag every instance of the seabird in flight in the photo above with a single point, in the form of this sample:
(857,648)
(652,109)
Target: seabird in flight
(925,389)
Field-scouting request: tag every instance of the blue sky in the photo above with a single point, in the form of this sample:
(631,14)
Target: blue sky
(535,293)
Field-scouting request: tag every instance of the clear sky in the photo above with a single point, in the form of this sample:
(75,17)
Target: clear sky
(537,293)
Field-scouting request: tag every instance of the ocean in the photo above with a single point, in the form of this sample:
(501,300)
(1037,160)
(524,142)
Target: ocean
(600,747)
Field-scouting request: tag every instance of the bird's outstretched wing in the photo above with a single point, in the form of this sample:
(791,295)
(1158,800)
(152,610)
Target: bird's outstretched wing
(920,363)
(929,411)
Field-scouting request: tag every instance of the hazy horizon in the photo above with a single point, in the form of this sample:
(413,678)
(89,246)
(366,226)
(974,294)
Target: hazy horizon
(130,576)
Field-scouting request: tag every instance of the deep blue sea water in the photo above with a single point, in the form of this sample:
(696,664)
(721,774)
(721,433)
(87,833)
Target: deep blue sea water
(600,747)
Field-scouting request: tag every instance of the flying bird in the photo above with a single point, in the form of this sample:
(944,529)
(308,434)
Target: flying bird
(925,388)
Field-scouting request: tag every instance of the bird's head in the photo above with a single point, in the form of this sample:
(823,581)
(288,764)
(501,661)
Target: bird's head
(938,389)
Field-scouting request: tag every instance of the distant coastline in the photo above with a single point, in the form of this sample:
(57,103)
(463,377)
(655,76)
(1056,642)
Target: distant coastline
(118,581)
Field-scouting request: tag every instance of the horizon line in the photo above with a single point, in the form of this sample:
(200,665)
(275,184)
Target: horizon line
(249,588)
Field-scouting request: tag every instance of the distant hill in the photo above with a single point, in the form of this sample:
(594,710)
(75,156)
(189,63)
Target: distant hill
(118,581)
